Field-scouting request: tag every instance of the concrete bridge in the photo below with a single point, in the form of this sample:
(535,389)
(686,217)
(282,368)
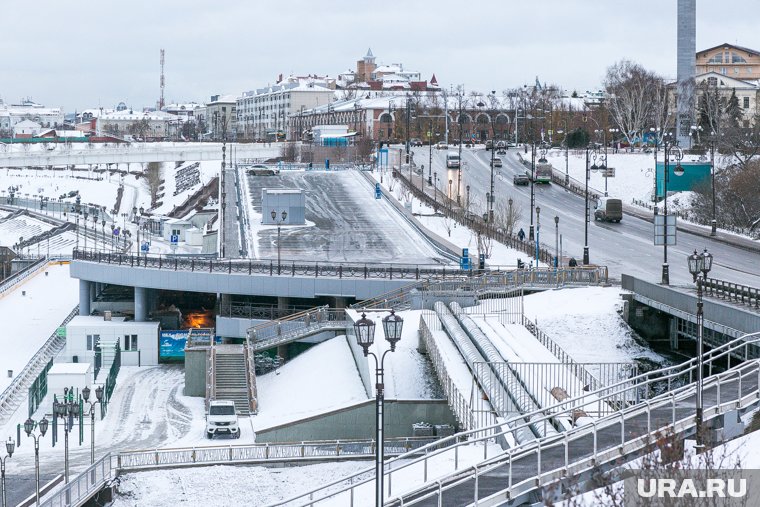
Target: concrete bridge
(64,155)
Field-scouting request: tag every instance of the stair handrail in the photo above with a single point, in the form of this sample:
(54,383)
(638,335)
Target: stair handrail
(613,391)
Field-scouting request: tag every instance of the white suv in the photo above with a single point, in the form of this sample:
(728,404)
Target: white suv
(222,419)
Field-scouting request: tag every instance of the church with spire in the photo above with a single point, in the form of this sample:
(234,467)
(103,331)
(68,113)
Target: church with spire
(370,75)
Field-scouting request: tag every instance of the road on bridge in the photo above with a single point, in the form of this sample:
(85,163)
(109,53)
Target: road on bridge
(625,247)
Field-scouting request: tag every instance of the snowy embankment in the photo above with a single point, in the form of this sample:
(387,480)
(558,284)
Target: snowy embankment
(31,313)
(448,229)
(634,172)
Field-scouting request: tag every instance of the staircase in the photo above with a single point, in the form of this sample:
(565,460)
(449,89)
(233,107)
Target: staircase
(230,380)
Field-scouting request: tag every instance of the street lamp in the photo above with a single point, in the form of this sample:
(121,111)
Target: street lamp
(538,230)
(510,218)
(66,410)
(678,171)
(279,222)
(556,242)
(699,264)
(365,336)
(29,427)
(10,446)
(91,411)
(450,193)
(594,152)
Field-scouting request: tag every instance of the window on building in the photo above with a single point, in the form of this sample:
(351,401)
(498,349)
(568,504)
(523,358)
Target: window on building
(737,58)
(718,58)
(723,71)
(130,342)
(746,102)
(736,70)
(712,81)
(92,340)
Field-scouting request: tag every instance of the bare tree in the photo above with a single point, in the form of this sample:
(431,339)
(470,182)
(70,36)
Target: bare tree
(289,152)
(743,142)
(448,224)
(154,180)
(506,216)
(364,148)
(630,88)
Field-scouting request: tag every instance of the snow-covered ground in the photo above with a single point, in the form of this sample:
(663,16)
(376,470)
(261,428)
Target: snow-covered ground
(29,319)
(634,172)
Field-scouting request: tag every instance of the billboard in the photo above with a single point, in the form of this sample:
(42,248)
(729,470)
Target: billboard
(172,343)
(694,174)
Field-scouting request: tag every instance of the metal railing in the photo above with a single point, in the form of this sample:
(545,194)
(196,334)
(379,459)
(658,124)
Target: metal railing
(298,325)
(271,268)
(32,269)
(11,397)
(84,486)
(666,388)
(734,292)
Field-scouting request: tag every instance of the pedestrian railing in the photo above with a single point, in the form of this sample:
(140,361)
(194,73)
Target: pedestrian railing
(32,269)
(659,401)
(84,486)
(272,268)
(733,292)
(296,326)
(13,395)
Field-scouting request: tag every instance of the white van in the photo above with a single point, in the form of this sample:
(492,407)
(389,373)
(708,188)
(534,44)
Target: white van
(452,160)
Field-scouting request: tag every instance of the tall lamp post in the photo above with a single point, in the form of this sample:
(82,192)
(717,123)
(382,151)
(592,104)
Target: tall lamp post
(91,411)
(29,426)
(532,188)
(66,410)
(699,264)
(669,146)
(365,336)
(538,231)
(279,222)
(10,446)
(556,241)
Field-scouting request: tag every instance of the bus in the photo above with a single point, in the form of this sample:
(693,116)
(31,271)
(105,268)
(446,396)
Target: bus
(543,173)
(452,160)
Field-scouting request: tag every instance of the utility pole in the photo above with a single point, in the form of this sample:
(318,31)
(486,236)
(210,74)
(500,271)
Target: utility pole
(459,176)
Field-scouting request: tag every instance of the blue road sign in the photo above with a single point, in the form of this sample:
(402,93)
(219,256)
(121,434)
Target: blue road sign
(145,247)
(116,231)
(174,238)
(378,192)
(464,262)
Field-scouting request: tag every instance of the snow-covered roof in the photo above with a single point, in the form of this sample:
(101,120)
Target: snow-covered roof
(27,123)
(69,368)
(136,116)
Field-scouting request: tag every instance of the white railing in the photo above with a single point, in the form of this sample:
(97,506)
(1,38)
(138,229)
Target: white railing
(92,480)
(641,388)
(11,397)
(12,281)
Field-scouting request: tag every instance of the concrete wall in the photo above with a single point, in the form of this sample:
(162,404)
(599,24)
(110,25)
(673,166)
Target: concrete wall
(358,421)
(730,320)
(235,283)
(195,372)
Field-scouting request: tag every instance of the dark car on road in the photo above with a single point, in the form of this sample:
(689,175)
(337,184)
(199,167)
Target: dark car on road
(415,142)
(521,179)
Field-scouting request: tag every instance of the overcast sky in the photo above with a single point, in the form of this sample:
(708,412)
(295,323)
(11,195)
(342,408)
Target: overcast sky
(89,54)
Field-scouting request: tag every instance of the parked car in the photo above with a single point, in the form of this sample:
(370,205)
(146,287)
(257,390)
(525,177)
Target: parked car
(609,209)
(496,162)
(521,179)
(415,142)
(440,145)
(222,419)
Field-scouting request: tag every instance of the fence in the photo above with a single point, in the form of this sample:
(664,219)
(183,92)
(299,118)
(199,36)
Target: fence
(38,389)
(733,292)
(695,219)
(32,269)
(111,380)
(271,268)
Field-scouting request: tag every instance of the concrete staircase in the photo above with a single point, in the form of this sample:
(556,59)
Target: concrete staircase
(230,381)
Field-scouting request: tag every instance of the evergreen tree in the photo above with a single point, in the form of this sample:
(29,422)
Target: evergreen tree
(733,111)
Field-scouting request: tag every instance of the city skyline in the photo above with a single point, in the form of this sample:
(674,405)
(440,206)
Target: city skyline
(112,55)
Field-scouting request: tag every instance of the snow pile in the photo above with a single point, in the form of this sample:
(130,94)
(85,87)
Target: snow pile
(322,379)
(585,322)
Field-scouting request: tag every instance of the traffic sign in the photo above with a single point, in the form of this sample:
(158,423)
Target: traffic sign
(145,247)
(378,192)
(174,238)
(665,235)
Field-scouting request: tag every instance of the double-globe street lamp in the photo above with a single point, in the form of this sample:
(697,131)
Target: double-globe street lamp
(364,329)
(594,150)
(10,446)
(538,232)
(99,399)
(66,410)
(279,221)
(29,427)
(700,264)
